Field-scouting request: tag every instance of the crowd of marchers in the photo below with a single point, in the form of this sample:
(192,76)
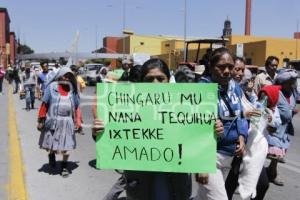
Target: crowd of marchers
(254,122)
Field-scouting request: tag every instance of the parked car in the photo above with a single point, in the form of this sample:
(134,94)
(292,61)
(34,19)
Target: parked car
(90,72)
(36,66)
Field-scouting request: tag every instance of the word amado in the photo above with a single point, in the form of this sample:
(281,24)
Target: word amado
(143,153)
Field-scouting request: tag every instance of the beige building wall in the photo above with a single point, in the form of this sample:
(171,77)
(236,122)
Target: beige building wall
(283,48)
(145,44)
(170,49)
(254,52)
(259,48)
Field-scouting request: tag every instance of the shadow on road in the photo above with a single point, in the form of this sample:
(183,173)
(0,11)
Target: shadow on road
(56,171)
(92,164)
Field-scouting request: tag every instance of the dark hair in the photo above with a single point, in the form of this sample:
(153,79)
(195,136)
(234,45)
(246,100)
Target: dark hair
(154,63)
(135,73)
(216,56)
(237,58)
(270,59)
(73,68)
(43,62)
(184,75)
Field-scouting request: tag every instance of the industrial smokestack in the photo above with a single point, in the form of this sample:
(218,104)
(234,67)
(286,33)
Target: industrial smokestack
(248,18)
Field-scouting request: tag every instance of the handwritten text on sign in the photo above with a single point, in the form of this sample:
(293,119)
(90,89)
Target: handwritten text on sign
(157,127)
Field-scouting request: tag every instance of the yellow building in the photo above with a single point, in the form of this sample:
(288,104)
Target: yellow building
(169,48)
(254,49)
(257,49)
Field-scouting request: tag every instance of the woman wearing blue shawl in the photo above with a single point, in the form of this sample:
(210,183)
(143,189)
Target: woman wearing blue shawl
(56,117)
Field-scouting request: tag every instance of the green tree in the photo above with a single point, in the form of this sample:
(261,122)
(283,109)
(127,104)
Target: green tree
(24,49)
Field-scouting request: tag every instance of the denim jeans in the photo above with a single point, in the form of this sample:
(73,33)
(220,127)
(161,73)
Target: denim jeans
(1,83)
(30,95)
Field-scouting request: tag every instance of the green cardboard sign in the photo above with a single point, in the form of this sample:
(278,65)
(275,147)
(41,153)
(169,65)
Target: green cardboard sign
(157,127)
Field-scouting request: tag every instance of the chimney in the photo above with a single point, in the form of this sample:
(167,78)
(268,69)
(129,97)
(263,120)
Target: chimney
(248,17)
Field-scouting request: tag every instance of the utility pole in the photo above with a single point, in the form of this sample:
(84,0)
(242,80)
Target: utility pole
(124,26)
(297,40)
(184,34)
(96,39)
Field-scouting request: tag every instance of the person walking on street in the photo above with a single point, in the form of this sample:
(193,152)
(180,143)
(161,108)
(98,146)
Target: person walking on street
(80,87)
(267,77)
(126,66)
(247,171)
(278,140)
(43,78)
(16,79)
(28,84)
(56,118)
(2,75)
(9,74)
(141,185)
(231,128)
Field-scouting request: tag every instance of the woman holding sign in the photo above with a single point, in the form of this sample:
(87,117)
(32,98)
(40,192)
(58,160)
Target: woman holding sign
(142,185)
(231,127)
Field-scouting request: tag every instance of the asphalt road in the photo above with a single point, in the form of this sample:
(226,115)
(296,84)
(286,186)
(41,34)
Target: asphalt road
(86,182)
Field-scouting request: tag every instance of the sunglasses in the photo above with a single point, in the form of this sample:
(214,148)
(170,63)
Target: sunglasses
(224,66)
(149,79)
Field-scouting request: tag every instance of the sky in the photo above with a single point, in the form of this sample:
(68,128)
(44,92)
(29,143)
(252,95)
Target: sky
(51,26)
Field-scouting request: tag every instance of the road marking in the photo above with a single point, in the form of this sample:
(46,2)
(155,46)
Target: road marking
(16,188)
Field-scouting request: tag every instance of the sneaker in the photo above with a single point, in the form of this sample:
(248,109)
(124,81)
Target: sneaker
(64,170)
(65,173)
(277,181)
(281,160)
(79,131)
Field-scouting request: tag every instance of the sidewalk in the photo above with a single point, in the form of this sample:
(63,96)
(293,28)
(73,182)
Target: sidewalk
(4,144)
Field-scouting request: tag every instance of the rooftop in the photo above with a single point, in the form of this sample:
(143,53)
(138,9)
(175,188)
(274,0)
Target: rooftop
(5,11)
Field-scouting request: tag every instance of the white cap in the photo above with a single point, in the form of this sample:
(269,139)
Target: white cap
(199,69)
